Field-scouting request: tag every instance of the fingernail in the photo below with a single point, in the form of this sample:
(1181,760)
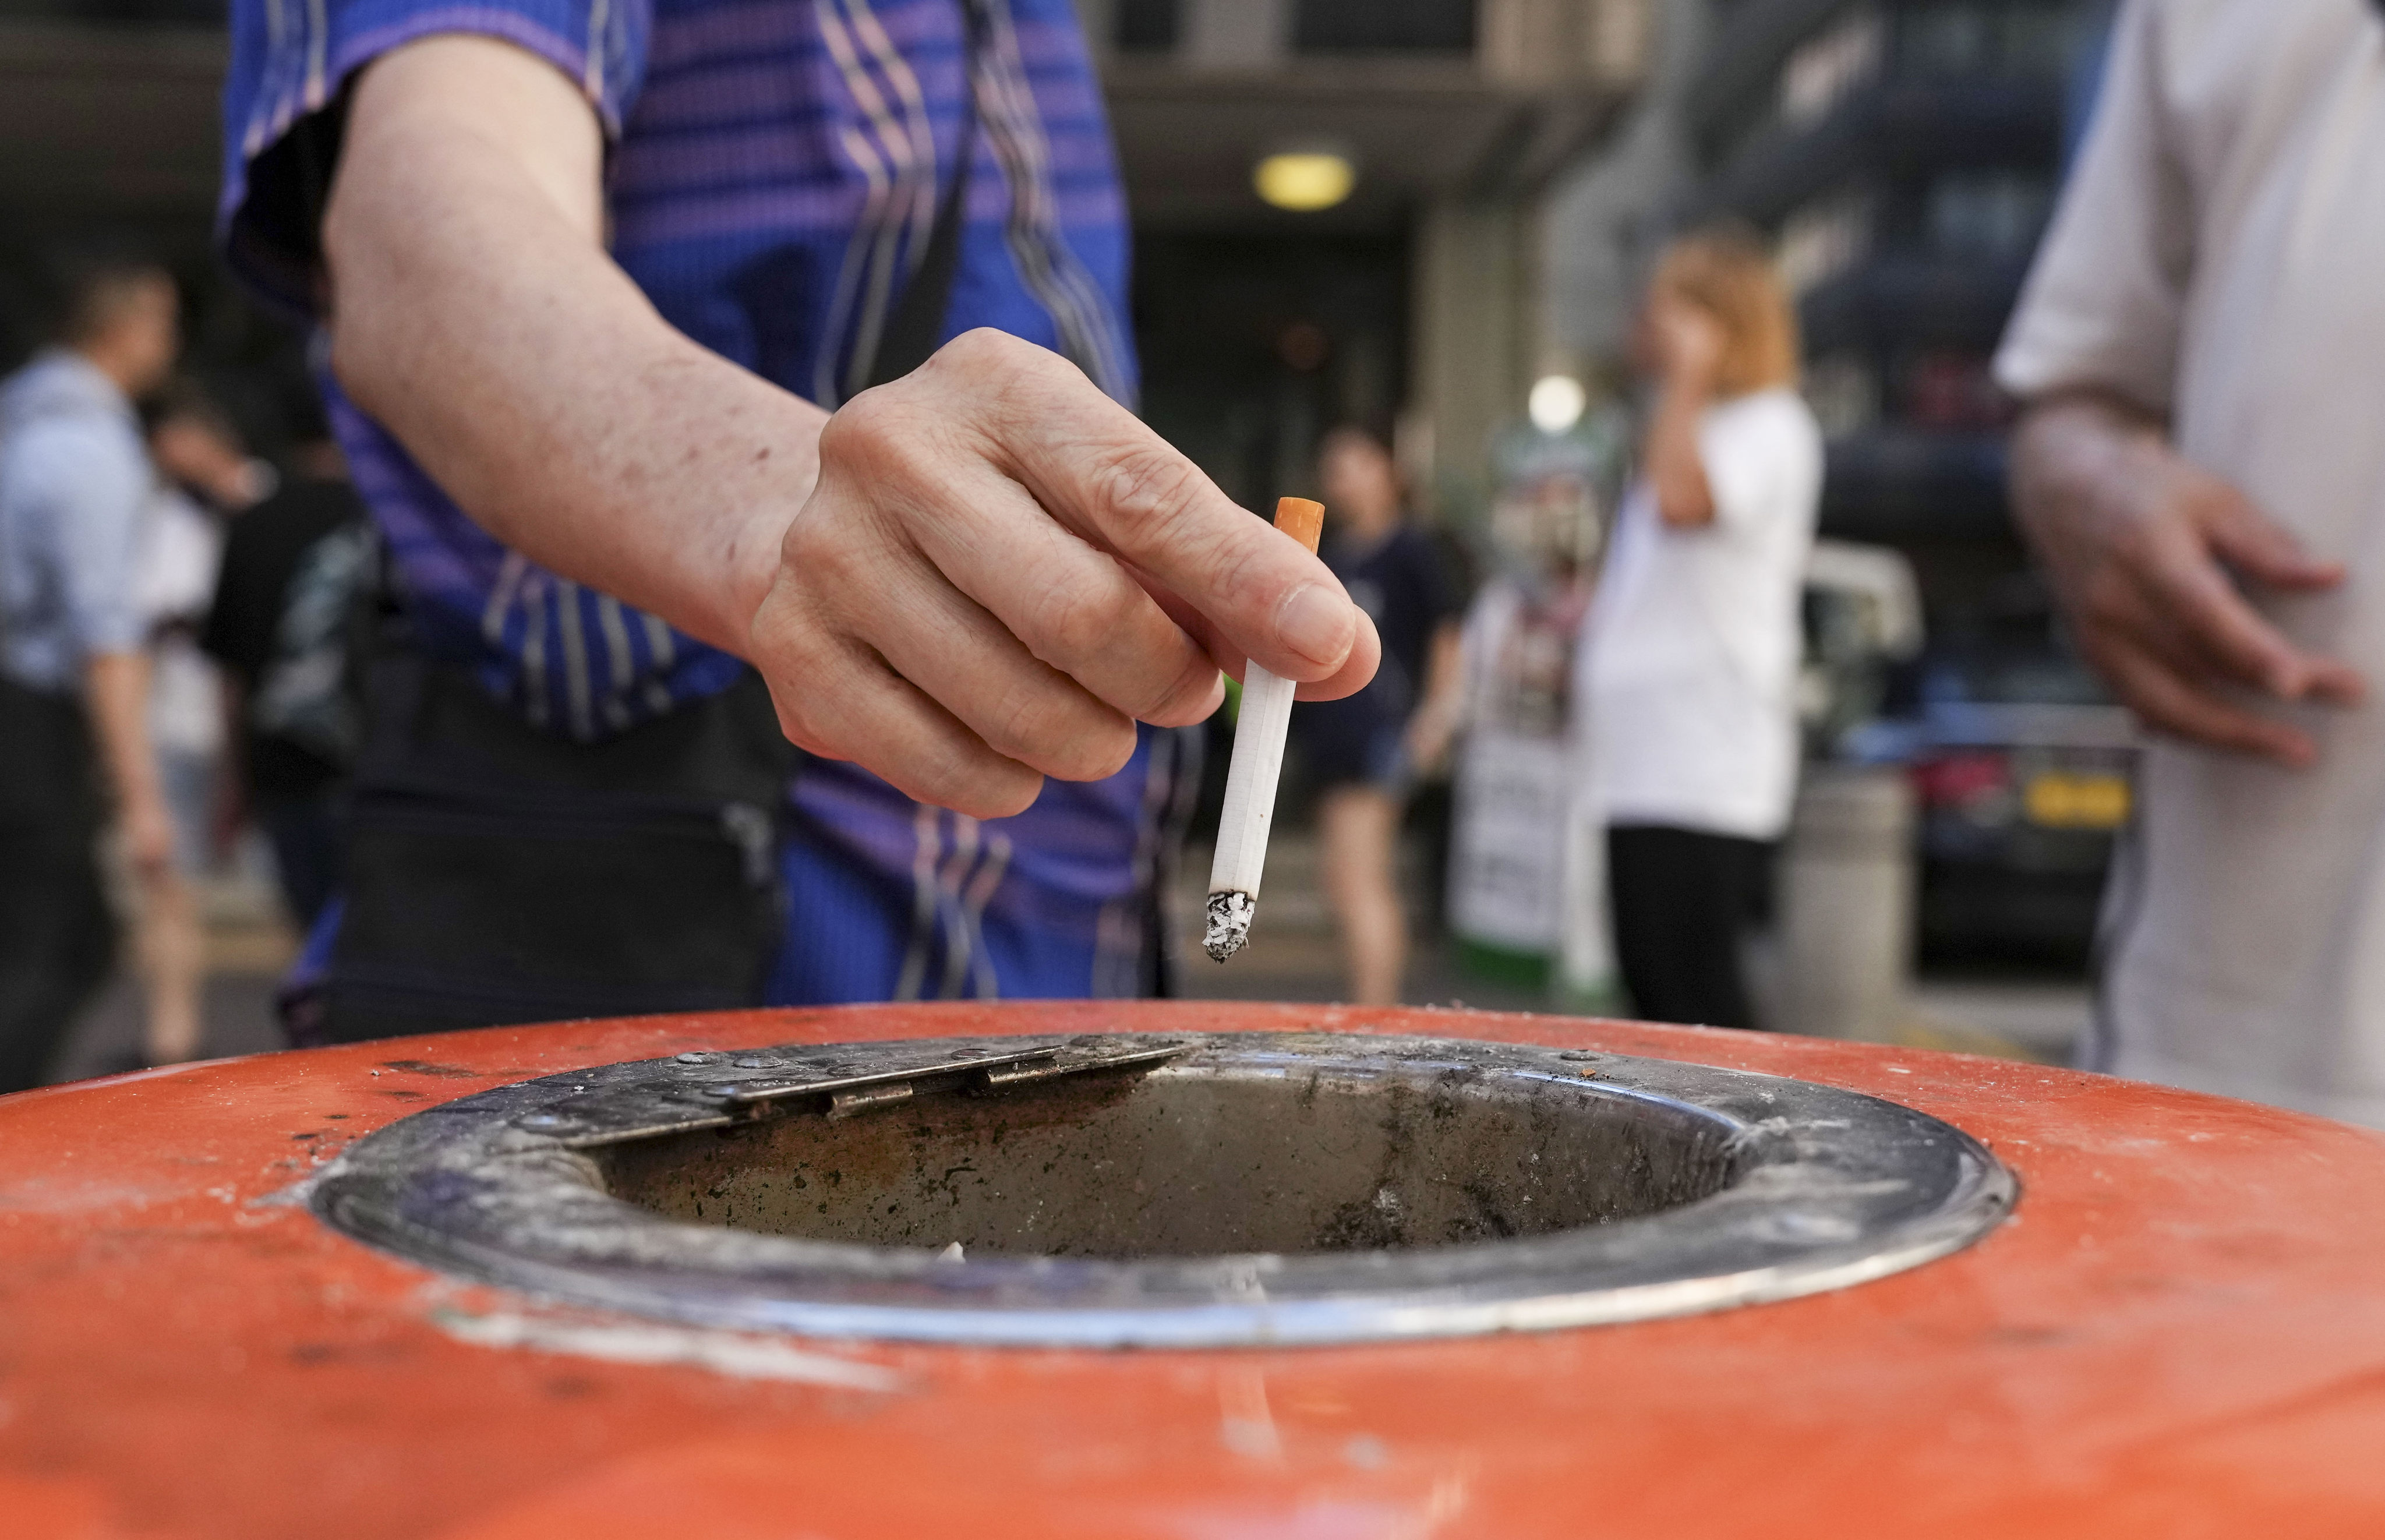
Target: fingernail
(1315,622)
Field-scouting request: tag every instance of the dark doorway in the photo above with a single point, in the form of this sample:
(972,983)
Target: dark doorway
(1253,345)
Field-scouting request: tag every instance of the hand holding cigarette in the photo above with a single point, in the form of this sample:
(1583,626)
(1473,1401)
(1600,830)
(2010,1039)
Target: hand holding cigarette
(1249,813)
(980,574)
(1000,571)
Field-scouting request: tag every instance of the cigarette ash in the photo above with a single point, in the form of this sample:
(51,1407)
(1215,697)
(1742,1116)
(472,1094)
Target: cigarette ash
(1229,923)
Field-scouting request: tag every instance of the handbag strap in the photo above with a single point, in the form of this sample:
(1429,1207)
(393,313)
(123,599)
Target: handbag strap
(917,327)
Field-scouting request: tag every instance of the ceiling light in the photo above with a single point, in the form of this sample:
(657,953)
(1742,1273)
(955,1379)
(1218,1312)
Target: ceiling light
(1304,181)
(1556,403)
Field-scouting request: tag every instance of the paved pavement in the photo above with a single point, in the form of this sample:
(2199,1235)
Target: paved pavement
(249,943)
(1292,955)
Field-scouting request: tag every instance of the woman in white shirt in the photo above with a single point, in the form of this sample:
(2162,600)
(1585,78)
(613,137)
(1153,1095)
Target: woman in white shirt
(1691,649)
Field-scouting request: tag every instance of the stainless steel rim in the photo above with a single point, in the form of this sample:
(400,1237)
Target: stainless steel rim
(1824,1189)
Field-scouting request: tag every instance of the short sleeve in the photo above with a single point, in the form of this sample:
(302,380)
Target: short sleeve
(285,98)
(1763,460)
(2104,303)
(94,482)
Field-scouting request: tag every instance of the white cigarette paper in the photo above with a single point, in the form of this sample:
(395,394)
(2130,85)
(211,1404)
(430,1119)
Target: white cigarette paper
(1260,732)
(1259,729)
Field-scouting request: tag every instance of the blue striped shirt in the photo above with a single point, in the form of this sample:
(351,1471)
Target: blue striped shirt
(774,174)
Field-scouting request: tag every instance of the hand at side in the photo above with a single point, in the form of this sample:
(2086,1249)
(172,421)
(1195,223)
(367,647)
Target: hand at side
(2146,552)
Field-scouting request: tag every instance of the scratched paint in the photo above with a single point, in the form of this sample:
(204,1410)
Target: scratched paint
(2180,1335)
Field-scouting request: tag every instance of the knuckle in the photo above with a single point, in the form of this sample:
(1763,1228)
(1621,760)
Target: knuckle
(1181,696)
(1074,629)
(981,345)
(874,427)
(822,567)
(948,773)
(1054,731)
(853,426)
(1032,726)
(1097,752)
(1152,490)
(968,778)
(809,539)
(983,353)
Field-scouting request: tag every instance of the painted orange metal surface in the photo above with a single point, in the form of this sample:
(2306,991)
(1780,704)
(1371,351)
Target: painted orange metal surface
(2181,1333)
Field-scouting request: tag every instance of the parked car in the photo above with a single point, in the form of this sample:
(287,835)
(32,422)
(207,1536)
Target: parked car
(2024,773)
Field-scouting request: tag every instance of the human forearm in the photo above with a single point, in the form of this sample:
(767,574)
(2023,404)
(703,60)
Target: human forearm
(1444,674)
(2068,448)
(116,691)
(230,809)
(1435,721)
(1676,470)
(978,574)
(116,687)
(477,316)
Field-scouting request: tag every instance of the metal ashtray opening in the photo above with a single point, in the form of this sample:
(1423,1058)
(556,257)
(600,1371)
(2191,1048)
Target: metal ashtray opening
(1192,1190)
(1216,1159)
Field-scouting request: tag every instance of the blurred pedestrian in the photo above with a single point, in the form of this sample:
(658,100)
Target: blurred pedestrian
(1691,646)
(285,605)
(2201,350)
(1366,751)
(75,487)
(201,465)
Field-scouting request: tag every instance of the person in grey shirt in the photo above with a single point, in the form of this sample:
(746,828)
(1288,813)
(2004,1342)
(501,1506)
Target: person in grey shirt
(74,481)
(2201,356)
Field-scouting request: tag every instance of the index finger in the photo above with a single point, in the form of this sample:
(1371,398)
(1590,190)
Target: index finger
(1094,467)
(2192,588)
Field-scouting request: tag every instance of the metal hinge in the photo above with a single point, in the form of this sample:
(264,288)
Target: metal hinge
(846,1095)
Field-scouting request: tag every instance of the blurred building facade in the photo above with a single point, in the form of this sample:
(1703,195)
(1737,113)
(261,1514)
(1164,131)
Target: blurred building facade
(1417,305)
(1906,152)
(1905,155)
(109,142)
(1416,301)
(107,128)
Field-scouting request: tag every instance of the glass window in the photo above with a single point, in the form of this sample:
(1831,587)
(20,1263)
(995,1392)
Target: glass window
(1828,67)
(1987,215)
(1382,26)
(1824,239)
(2032,38)
(1843,392)
(1147,26)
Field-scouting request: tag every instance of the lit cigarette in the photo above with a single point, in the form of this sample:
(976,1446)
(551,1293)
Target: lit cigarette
(1259,730)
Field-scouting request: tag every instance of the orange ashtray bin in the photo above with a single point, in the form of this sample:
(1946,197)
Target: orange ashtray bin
(1182,1270)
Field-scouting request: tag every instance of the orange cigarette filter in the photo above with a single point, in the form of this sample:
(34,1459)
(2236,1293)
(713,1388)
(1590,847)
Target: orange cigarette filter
(1302,519)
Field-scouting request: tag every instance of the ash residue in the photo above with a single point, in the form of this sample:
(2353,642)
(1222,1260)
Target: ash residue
(1229,923)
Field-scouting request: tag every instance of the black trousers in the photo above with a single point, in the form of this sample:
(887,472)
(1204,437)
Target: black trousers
(1681,900)
(304,832)
(56,936)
